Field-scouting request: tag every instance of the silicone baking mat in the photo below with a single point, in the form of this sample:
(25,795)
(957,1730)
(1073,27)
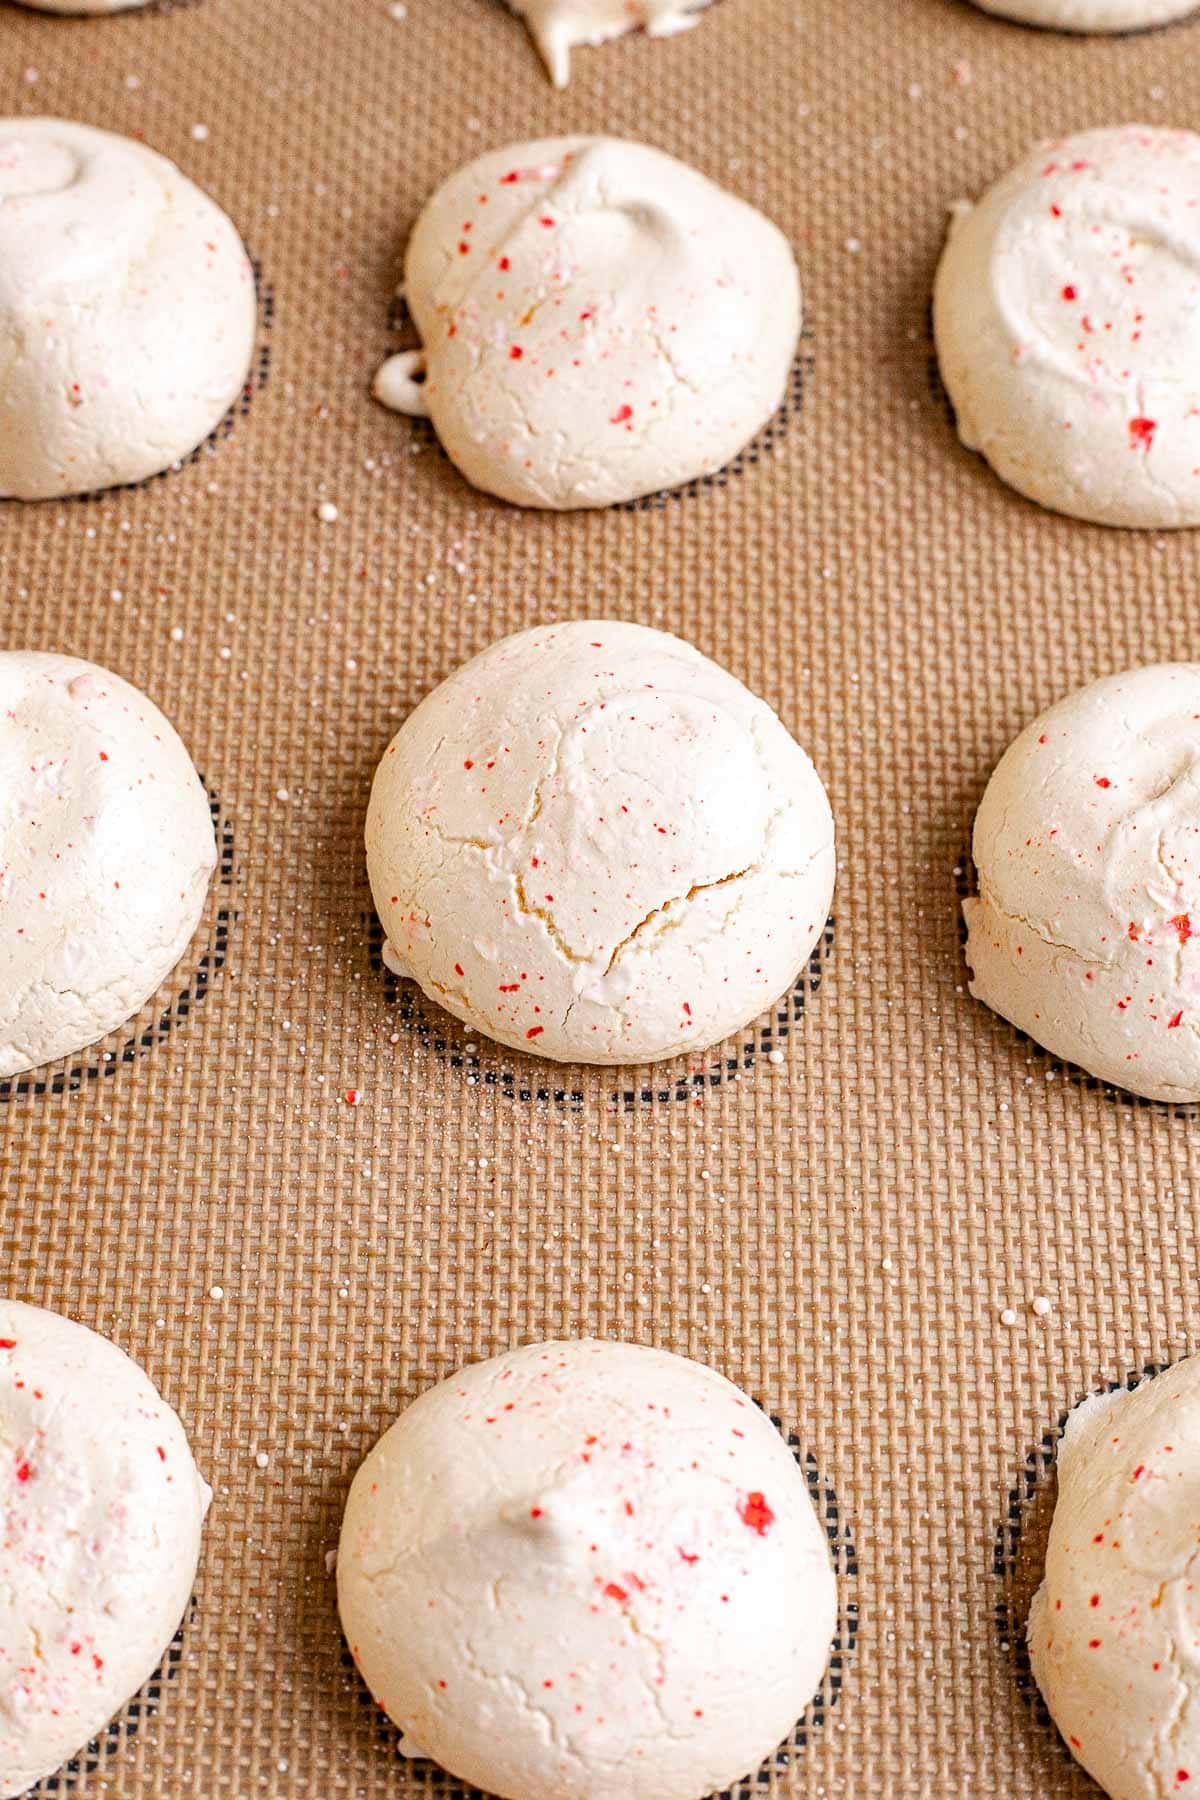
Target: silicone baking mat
(835,1207)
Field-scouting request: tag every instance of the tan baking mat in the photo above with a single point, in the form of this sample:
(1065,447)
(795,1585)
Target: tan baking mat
(837,1230)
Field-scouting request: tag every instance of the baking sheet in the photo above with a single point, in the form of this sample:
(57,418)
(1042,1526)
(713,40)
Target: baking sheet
(837,1230)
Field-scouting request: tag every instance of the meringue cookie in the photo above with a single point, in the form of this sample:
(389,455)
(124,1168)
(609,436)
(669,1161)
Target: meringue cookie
(1068,328)
(587,1568)
(592,843)
(599,322)
(558,26)
(1087,844)
(127,311)
(1114,1625)
(101,1507)
(106,850)
(1091,15)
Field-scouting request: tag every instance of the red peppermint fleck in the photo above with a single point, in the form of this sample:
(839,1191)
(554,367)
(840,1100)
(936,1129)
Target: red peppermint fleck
(1095,1600)
(458,969)
(1138,1472)
(516,353)
(1070,293)
(1181,1775)
(1093,1643)
(535,1031)
(507,180)
(1141,433)
(1173,1024)
(547,223)
(463,249)
(535,1512)
(468,764)
(162,1455)
(24,1472)
(504,265)
(8,1343)
(104,756)
(686,1556)
(1183,926)
(1103,781)
(616,1593)
(622,414)
(755,1513)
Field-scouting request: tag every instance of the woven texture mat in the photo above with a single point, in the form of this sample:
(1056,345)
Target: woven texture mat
(837,1228)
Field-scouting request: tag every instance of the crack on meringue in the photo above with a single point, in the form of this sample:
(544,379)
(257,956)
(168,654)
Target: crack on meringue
(701,887)
(1039,928)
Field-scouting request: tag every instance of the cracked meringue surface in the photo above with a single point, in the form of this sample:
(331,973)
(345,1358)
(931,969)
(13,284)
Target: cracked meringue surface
(101,1508)
(587,1568)
(1114,1626)
(598,322)
(594,844)
(107,847)
(1086,929)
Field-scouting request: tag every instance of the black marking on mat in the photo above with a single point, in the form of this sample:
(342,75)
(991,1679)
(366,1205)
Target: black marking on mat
(428,1778)
(406,998)
(844,1554)
(144,1705)
(77,1075)
(256,381)
(773,1035)
(966,886)
(1034,1489)
(769,438)
(937,387)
